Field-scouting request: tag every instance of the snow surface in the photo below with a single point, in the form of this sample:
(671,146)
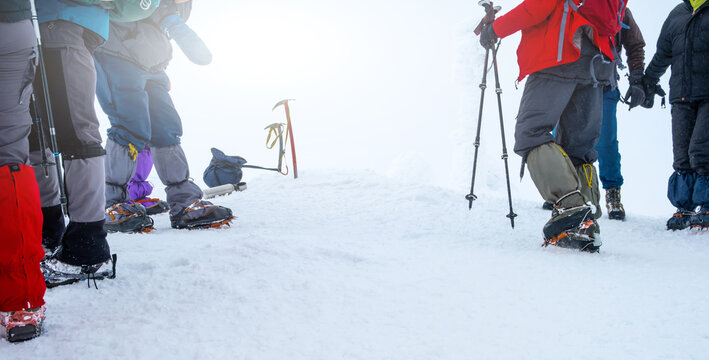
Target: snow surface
(351,265)
(372,253)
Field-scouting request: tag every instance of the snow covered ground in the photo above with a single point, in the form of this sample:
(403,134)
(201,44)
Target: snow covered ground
(372,253)
(352,265)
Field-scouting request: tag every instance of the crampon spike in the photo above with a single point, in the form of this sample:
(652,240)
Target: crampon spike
(217,225)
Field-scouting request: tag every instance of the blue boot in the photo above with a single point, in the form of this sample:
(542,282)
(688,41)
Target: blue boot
(680,220)
(701,218)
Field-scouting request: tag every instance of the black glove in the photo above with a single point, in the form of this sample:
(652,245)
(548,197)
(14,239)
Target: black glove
(652,88)
(636,92)
(488,38)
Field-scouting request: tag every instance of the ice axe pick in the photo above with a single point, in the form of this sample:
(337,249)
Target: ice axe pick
(290,133)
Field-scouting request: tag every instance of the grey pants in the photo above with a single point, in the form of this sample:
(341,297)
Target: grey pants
(72,84)
(46,178)
(17,67)
(578,110)
(171,166)
(561,168)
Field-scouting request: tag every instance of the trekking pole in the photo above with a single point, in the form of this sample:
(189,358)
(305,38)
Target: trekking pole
(48,106)
(490,12)
(483,85)
(39,129)
(498,90)
(489,18)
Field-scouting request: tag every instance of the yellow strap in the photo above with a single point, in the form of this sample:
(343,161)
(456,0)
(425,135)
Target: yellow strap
(562,150)
(132,152)
(588,174)
(277,130)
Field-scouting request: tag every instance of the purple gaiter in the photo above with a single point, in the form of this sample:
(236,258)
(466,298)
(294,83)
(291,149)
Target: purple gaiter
(138,187)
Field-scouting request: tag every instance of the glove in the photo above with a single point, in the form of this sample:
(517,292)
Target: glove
(191,45)
(651,88)
(636,92)
(488,38)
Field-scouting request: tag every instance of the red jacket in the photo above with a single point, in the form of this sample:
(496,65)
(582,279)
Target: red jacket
(548,29)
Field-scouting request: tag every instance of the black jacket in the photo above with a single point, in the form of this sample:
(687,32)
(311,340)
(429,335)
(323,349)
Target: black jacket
(684,44)
(15,10)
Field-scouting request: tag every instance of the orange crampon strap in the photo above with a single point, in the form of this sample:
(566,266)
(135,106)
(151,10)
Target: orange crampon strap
(554,240)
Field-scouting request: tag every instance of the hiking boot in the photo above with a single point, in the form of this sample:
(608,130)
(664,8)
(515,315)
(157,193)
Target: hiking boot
(22,325)
(153,206)
(201,214)
(58,273)
(127,218)
(700,219)
(680,219)
(572,227)
(613,204)
(548,206)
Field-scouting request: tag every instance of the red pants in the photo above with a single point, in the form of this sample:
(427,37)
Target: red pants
(21,281)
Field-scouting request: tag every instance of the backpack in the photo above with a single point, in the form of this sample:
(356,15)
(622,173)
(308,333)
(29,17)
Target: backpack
(605,15)
(126,10)
(133,10)
(223,169)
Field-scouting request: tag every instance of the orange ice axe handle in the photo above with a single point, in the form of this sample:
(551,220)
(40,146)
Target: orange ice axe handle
(290,133)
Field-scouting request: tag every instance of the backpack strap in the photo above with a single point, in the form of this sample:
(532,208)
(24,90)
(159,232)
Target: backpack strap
(573,5)
(620,15)
(562,31)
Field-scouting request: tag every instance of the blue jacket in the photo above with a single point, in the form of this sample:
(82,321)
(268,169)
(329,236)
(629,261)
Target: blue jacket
(94,18)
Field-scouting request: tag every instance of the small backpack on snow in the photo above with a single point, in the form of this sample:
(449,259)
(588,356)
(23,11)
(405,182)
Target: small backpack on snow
(223,169)
(605,15)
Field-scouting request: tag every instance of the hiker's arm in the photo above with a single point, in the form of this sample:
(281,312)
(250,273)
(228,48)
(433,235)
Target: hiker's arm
(526,14)
(633,43)
(663,57)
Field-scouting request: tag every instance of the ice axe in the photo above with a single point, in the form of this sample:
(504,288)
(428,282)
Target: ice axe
(290,133)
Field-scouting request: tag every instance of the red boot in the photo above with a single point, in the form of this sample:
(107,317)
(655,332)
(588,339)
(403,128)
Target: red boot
(22,325)
(21,250)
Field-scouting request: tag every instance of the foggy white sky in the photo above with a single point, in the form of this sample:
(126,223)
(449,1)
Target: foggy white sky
(390,86)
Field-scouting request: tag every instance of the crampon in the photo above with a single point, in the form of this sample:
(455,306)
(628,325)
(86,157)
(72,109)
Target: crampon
(202,215)
(22,325)
(217,225)
(577,239)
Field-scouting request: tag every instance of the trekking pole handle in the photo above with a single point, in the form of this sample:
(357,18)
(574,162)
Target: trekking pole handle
(490,12)
(222,190)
